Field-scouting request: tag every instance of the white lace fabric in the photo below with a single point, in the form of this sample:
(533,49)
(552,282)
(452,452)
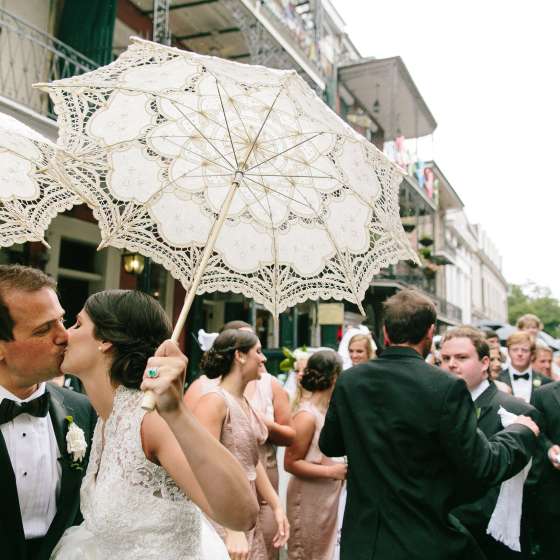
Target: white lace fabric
(157,139)
(33,186)
(131,506)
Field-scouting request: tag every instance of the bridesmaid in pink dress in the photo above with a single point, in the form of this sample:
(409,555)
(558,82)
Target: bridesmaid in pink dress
(236,357)
(314,489)
(271,403)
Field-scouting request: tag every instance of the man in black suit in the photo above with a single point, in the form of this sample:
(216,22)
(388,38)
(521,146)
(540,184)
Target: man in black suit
(40,472)
(547,499)
(414,452)
(520,375)
(465,353)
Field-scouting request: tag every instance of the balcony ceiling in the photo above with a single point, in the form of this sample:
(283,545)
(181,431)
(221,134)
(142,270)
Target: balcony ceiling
(401,107)
(203,26)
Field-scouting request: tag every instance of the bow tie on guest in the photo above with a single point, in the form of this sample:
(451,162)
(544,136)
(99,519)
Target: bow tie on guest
(10,409)
(517,376)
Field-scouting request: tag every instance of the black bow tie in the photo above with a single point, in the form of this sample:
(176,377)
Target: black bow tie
(517,376)
(9,409)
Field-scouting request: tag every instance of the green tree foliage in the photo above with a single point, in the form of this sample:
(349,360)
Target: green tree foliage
(531,298)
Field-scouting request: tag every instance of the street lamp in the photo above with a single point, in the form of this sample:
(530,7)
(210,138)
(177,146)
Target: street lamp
(133,263)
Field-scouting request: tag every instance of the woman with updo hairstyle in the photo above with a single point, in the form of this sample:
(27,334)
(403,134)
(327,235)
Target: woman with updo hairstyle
(150,474)
(236,359)
(314,489)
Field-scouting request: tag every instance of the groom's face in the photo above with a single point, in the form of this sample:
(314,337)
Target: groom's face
(39,338)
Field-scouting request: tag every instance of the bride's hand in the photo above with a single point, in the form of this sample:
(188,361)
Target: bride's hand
(237,545)
(283,528)
(170,366)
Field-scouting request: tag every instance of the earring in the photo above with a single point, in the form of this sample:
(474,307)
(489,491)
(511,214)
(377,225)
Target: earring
(100,348)
(242,362)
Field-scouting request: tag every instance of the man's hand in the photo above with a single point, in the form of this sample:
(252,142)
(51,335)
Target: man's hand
(170,365)
(526,421)
(554,456)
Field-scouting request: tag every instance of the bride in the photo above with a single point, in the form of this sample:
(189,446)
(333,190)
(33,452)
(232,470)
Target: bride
(148,474)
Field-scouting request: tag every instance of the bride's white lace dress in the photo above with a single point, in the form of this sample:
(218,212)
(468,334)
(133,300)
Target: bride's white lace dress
(132,508)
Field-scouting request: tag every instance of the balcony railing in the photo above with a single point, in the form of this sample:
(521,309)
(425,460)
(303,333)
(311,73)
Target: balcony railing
(416,277)
(29,55)
(297,29)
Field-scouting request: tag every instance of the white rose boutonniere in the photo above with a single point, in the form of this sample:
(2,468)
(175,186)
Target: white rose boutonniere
(537,382)
(75,444)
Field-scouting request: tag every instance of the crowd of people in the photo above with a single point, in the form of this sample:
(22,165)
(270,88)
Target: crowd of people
(387,459)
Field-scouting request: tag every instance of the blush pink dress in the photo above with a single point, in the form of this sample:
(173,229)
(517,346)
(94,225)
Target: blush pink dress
(312,503)
(262,402)
(242,434)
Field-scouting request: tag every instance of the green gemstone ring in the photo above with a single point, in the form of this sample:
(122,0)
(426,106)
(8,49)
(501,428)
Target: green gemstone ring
(152,372)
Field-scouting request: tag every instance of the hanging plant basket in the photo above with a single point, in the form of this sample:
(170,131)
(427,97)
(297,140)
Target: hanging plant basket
(429,272)
(409,227)
(426,241)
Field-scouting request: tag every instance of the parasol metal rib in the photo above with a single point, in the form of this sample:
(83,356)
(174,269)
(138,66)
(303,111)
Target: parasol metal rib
(283,151)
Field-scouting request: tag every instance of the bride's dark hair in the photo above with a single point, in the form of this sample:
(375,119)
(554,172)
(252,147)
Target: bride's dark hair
(135,324)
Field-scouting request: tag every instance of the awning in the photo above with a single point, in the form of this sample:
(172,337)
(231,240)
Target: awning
(400,108)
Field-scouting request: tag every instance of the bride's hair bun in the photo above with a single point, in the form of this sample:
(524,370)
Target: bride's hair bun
(218,361)
(323,367)
(135,324)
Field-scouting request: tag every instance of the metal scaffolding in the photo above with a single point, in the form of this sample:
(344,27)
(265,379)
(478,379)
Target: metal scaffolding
(161,32)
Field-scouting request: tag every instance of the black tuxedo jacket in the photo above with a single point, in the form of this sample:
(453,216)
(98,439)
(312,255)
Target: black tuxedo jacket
(63,403)
(538,380)
(477,514)
(547,400)
(414,452)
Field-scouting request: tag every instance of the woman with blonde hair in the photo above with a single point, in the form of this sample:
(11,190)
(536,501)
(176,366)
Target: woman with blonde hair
(361,349)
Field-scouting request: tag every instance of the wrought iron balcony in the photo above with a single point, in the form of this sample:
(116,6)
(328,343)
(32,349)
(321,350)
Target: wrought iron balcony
(29,55)
(297,28)
(416,277)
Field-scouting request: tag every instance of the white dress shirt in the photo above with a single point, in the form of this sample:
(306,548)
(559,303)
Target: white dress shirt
(33,450)
(521,387)
(477,391)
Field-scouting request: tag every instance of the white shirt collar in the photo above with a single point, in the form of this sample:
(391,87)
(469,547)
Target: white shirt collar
(5,394)
(529,370)
(477,391)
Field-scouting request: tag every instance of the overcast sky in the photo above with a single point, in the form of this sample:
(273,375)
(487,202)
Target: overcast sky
(489,72)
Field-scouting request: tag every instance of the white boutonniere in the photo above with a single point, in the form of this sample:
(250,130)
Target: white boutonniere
(537,382)
(75,444)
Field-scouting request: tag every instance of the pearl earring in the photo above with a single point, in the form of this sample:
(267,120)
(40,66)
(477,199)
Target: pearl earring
(100,348)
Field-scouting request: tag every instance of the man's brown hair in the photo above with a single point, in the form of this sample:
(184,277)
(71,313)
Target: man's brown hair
(527,320)
(408,316)
(521,337)
(17,277)
(477,338)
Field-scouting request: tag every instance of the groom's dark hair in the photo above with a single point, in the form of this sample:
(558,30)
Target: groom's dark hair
(408,316)
(21,278)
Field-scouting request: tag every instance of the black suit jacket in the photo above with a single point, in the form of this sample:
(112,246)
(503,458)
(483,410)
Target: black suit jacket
(547,400)
(477,514)
(538,380)
(414,452)
(63,403)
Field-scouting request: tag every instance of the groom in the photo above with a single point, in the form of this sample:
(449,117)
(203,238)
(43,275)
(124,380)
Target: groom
(414,452)
(40,471)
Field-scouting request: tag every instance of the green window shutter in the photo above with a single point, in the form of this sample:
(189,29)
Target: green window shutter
(87,26)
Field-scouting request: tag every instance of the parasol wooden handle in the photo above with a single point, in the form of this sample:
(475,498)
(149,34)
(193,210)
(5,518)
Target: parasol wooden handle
(149,400)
